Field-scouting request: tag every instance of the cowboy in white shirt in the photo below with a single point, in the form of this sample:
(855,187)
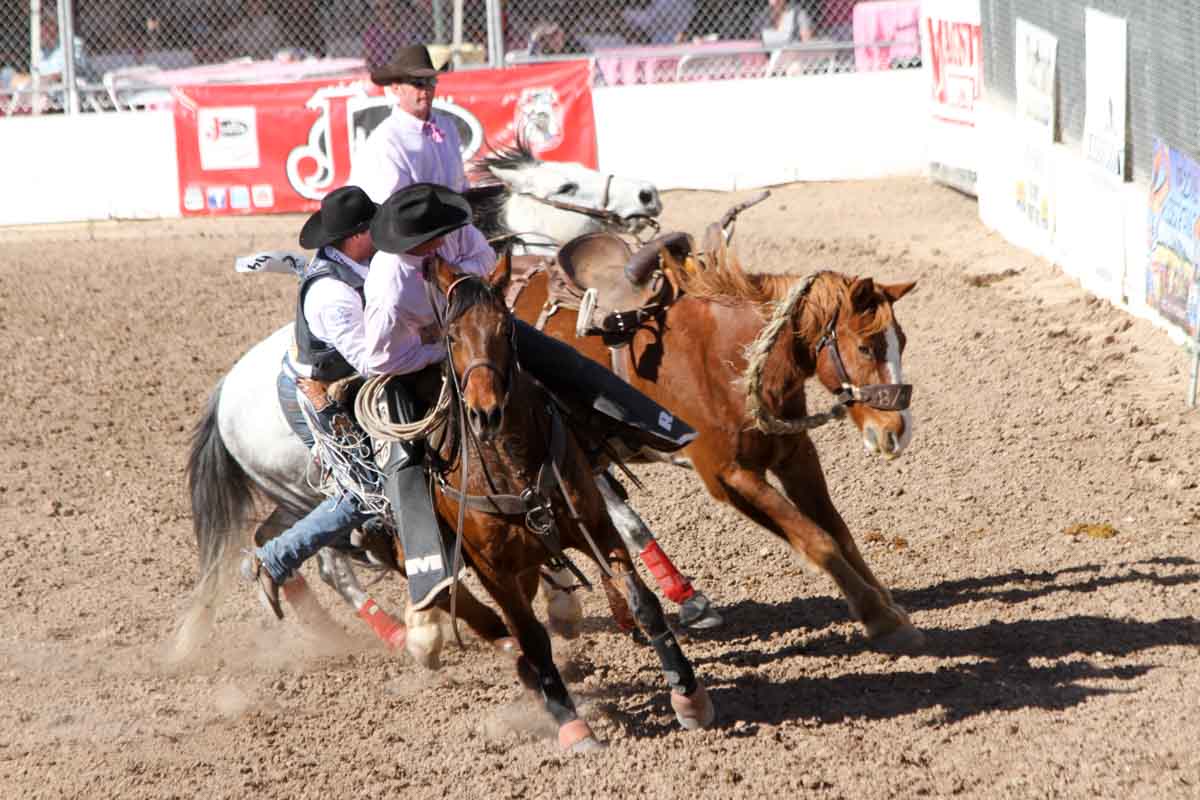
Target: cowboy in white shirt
(329,346)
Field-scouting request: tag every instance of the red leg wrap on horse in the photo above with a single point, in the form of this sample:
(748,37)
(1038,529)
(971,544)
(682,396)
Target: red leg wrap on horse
(677,588)
(392,633)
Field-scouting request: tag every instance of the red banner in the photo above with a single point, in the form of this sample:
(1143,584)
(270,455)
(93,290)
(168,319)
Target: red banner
(262,148)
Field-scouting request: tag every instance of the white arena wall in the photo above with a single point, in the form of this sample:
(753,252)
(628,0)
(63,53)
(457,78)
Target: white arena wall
(88,167)
(702,135)
(727,135)
(1101,236)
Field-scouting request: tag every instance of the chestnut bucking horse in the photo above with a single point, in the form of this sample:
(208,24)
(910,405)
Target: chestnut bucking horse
(730,352)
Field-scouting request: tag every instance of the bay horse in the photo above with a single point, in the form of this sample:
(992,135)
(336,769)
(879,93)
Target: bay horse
(730,352)
(519,439)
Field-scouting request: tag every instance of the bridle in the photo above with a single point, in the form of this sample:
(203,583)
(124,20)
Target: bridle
(609,218)
(880,396)
(505,374)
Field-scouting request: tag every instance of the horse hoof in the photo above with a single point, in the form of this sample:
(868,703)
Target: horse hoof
(694,711)
(576,737)
(424,644)
(698,614)
(904,640)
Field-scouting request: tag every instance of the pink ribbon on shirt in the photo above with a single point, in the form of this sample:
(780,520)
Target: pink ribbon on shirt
(431,130)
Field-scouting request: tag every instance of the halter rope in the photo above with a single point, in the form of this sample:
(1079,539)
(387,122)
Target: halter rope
(756,360)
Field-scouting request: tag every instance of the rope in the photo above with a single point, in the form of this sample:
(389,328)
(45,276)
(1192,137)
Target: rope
(371,409)
(757,354)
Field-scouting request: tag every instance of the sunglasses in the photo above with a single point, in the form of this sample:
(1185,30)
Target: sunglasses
(421,83)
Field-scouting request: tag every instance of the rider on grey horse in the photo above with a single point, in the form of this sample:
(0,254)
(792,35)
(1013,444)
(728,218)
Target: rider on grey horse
(328,346)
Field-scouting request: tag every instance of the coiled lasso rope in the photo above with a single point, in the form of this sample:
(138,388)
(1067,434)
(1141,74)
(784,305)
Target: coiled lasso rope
(372,414)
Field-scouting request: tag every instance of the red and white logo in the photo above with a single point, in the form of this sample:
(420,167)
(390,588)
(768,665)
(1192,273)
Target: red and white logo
(539,118)
(228,137)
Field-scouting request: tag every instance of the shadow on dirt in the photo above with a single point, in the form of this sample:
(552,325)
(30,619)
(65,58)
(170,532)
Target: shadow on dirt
(1047,664)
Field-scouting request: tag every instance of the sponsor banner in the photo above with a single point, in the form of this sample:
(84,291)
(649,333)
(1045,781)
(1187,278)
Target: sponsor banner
(1036,58)
(1036,65)
(256,148)
(1105,71)
(952,36)
(1172,281)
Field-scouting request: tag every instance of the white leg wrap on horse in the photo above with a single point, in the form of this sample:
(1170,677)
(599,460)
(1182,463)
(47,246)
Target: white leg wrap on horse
(424,637)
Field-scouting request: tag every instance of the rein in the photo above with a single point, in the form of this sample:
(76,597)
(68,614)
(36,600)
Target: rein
(882,396)
(534,503)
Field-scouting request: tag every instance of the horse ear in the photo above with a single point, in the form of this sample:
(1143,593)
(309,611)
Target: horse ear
(862,293)
(439,270)
(502,271)
(894,291)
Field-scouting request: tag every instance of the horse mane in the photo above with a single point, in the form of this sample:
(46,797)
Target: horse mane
(487,208)
(469,293)
(726,281)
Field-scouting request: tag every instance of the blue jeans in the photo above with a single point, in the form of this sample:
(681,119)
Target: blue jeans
(326,524)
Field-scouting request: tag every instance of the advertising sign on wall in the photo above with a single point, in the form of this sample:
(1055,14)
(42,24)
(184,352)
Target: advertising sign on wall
(1171,279)
(1036,115)
(260,148)
(952,37)
(1105,70)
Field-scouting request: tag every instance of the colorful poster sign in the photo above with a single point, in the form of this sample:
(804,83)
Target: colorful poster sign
(1172,280)
(1105,72)
(260,148)
(953,39)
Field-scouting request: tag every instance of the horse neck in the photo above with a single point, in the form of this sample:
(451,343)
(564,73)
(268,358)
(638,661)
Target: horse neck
(524,214)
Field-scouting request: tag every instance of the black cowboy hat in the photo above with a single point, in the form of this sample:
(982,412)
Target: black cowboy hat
(418,214)
(344,212)
(408,62)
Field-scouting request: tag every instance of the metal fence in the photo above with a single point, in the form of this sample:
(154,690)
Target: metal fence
(121,44)
(1164,75)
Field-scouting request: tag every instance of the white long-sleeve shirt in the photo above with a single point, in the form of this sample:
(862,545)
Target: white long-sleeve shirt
(334,313)
(403,150)
(400,326)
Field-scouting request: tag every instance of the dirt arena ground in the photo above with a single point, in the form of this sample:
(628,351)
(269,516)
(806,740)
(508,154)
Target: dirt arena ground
(1057,665)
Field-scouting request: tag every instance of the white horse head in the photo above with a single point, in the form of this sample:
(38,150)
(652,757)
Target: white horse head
(549,203)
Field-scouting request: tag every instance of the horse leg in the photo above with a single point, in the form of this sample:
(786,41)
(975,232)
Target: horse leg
(691,703)
(480,617)
(337,572)
(803,482)
(695,609)
(535,665)
(749,492)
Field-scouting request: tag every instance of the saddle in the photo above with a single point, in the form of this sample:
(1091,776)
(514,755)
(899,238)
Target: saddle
(612,288)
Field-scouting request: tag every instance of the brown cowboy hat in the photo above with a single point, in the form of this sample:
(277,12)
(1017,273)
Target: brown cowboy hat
(408,62)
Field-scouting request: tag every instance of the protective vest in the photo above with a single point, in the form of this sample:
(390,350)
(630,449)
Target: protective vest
(319,356)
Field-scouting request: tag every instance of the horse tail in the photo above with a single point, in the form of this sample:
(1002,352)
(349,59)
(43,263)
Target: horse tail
(222,497)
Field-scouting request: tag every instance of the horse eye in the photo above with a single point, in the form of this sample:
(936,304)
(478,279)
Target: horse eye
(568,188)
(866,350)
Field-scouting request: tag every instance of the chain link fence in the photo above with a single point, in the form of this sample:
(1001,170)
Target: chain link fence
(1164,79)
(124,46)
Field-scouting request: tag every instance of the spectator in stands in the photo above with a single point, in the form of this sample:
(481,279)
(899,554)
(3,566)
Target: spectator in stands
(258,35)
(835,20)
(781,22)
(549,39)
(52,64)
(661,21)
(396,24)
